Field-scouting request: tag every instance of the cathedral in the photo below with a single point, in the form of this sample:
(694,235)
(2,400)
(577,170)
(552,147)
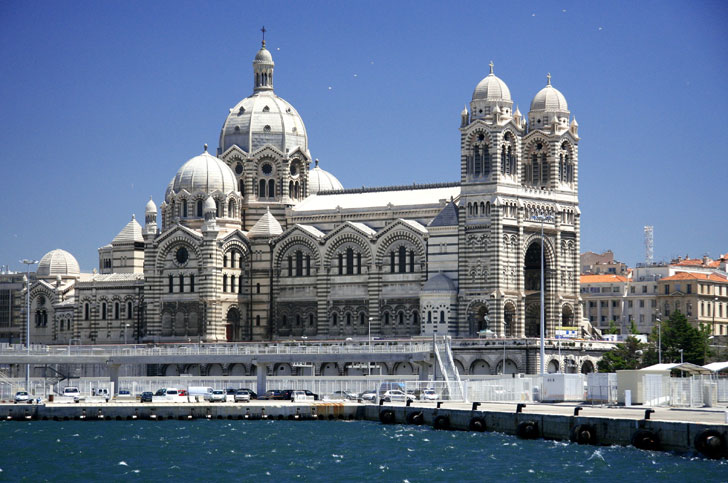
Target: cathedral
(257,242)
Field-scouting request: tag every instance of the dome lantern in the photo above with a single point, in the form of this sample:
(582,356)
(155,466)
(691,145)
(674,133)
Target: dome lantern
(491,92)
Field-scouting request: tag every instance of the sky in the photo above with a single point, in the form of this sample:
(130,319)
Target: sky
(102,102)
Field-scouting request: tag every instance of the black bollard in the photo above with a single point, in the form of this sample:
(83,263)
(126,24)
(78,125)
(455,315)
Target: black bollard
(519,407)
(439,403)
(475,406)
(576,411)
(648,412)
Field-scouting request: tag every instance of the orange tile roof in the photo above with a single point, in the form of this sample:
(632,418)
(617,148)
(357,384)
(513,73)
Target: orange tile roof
(689,262)
(713,277)
(609,278)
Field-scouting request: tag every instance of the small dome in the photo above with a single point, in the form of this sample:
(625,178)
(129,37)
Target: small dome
(267,226)
(263,55)
(151,206)
(203,173)
(131,233)
(58,263)
(492,88)
(439,283)
(320,180)
(209,205)
(549,99)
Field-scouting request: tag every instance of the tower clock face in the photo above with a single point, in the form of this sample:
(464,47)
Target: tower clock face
(181,255)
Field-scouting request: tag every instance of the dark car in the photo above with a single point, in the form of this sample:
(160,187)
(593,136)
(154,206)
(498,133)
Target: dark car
(146,396)
(309,393)
(272,394)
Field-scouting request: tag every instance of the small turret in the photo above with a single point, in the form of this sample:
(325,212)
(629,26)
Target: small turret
(150,218)
(464,117)
(209,211)
(574,127)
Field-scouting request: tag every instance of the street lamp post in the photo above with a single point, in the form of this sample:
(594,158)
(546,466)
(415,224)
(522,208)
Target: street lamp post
(542,219)
(659,339)
(369,365)
(27,263)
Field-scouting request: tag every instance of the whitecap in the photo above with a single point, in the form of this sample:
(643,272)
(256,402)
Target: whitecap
(123,463)
(410,450)
(135,471)
(531,471)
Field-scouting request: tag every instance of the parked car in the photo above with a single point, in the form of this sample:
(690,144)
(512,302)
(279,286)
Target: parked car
(250,392)
(72,391)
(146,396)
(22,397)
(217,395)
(429,395)
(101,392)
(395,395)
(369,396)
(310,394)
(272,394)
(344,395)
(243,395)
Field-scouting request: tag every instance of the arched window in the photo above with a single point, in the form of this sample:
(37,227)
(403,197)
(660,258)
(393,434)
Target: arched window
(386,318)
(217,208)
(429,316)
(290,265)
(225,260)
(544,169)
(308,265)
(536,174)
(391,262)
(349,261)
(400,316)
(503,160)
(299,263)
(192,282)
(240,284)
(442,316)
(199,208)
(129,313)
(487,208)
(232,283)
(184,208)
(261,189)
(290,189)
(341,263)
(224,283)
(415,318)
(402,259)
(257,320)
(116,310)
(348,318)
(171,284)
(334,319)
(358,263)
(476,160)
(231,209)
(361,318)
(181,283)
(310,320)
(411,261)
(271,188)
(103,310)
(241,186)
(86,311)
(486,161)
(257,288)
(240,260)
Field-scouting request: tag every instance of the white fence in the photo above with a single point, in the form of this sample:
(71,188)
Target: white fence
(504,389)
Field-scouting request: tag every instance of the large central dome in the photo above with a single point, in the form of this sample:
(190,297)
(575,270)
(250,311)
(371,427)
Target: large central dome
(263,118)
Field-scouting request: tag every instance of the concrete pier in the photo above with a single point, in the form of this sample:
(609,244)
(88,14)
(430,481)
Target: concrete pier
(702,431)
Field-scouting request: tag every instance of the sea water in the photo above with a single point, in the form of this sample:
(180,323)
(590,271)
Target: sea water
(317,451)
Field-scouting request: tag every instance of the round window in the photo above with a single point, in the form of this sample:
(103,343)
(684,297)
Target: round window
(239,168)
(294,170)
(182,255)
(267,168)
(481,137)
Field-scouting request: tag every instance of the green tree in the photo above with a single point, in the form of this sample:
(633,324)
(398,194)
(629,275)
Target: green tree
(678,333)
(613,329)
(633,327)
(627,355)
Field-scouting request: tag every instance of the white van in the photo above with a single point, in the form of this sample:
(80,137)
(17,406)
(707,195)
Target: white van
(72,391)
(168,395)
(199,392)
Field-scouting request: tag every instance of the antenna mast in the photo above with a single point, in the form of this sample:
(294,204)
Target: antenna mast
(649,245)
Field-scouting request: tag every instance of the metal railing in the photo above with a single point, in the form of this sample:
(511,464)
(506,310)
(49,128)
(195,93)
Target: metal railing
(213,350)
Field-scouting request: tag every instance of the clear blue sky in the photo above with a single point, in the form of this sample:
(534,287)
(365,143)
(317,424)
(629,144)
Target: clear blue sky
(101,102)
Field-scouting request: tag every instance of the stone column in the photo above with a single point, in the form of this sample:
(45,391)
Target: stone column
(261,371)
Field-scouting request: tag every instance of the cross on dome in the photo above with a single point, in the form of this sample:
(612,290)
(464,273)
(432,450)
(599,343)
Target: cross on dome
(548,79)
(263,30)
(491,66)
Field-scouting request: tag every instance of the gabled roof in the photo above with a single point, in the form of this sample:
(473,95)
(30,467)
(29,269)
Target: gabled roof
(716,366)
(312,230)
(448,216)
(685,366)
(394,196)
(131,233)
(711,277)
(608,278)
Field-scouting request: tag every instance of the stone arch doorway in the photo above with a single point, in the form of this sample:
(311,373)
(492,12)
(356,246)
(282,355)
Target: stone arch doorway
(478,318)
(532,284)
(553,366)
(232,328)
(479,368)
(510,367)
(404,369)
(587,367)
